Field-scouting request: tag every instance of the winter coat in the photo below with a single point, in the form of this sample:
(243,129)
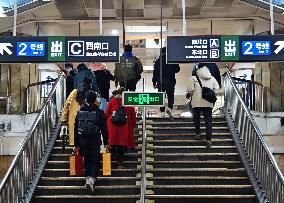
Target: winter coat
(103,78)
(69,113)
(101,124)
(168,73)
(206,80)
(132,70)
(121,135)
(214,70)
(80,77)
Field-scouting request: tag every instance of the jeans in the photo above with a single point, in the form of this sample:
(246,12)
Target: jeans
(170,91)
(92,159)
(207,112)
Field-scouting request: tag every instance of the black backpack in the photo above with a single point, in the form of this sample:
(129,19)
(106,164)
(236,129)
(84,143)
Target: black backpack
(119,118)
(87,123)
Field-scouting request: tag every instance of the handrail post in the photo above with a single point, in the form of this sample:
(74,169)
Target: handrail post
(143,160)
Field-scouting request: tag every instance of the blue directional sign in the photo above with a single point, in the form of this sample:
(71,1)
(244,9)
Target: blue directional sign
(256,48)
(31,49)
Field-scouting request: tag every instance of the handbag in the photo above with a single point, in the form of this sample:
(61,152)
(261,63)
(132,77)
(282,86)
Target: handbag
(207,93)
(76,165)
(106,163)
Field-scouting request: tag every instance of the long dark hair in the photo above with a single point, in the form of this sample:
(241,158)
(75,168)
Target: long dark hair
(83,89)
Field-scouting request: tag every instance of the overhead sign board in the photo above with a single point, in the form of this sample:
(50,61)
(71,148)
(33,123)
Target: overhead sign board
(143,98)
(187,49)
(59,49)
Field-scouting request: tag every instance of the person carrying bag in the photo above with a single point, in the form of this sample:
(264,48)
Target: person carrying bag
(202,89)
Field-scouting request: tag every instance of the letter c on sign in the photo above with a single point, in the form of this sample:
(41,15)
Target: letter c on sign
(73,46)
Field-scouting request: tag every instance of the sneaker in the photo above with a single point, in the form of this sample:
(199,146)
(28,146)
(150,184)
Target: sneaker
(168,111)
(197,137)
(208,143)
(90,184)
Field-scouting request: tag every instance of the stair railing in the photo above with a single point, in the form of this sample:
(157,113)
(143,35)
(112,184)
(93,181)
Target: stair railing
(266,177)
(37,94)
(25,170)
(251,92)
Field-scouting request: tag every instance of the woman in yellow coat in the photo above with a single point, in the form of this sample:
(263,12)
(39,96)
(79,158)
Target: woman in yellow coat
(72,105)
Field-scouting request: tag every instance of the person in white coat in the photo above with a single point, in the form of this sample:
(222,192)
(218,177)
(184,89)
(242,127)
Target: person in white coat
(201,105)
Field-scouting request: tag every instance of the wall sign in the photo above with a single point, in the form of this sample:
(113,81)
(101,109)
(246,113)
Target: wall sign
(187,49)
(59,49)
(143,99)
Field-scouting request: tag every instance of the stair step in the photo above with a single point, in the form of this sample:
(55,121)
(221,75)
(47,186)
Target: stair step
(66,172)
(194,149)
(203,198)
(81,190)
(86,198)
(199,180)
(79,181)
(197,172)
(191,142)
(196,156)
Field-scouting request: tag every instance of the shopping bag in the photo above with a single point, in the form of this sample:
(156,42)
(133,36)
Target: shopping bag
(76,166)
(106,163)
(103,103)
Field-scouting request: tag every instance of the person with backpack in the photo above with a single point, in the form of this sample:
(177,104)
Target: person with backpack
(82,72)
(129,70)
(90,124)
(121,122)
(72,105)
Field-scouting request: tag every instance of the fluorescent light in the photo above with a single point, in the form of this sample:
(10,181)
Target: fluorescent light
(148,68)
(144,28)
(114,32)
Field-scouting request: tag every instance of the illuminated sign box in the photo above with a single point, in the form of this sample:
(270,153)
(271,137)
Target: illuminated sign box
(243,48)
(143,98)
(59,49)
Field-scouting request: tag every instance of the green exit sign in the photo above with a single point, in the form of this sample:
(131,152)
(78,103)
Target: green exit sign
(143,98)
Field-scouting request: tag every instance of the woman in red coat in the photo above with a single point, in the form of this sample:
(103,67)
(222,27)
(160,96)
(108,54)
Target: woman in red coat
(121,137)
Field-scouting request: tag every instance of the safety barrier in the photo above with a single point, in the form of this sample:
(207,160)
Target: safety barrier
(262,168)
(21,178)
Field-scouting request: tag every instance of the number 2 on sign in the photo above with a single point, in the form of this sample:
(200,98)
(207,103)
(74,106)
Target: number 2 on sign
(247,51)
(24,47)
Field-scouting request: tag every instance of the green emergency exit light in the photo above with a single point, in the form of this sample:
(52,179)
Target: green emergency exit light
(143,98)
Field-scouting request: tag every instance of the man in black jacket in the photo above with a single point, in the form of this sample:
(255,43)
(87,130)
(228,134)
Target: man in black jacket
(168,80)
(90,143)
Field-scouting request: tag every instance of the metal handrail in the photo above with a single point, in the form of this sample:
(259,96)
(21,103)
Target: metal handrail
(36,95)
(25,166)
(267,173)
(251,92)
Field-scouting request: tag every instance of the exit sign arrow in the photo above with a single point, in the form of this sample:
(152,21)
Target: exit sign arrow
(4,47)
(280,45)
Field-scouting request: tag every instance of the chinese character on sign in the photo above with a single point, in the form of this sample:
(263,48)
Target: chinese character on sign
(56,47)
(143,98)
(89,45)
(104,46)
(97,46)
(230,48)
(129,99)
(136,99)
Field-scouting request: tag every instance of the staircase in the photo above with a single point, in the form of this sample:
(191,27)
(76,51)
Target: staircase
(56,185)
(179,169)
